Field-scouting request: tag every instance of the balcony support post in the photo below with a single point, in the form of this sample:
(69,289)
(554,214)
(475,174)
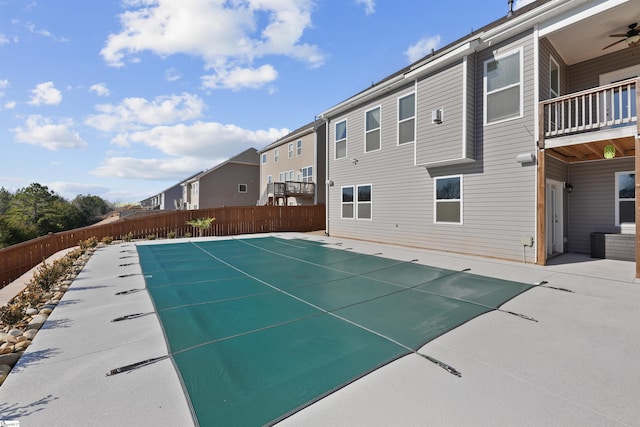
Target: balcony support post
(541,242)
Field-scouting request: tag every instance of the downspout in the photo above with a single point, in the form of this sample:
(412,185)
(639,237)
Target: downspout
(327,177)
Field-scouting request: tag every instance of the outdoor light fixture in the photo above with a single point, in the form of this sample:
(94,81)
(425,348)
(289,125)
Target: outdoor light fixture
(609,152)
(568,187)
(525,158)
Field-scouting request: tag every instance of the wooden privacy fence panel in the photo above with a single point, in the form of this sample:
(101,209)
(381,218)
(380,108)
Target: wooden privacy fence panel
(18,259)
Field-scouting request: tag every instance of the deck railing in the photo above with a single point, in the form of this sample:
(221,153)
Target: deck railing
(18,259)
(291,188)
(604,107)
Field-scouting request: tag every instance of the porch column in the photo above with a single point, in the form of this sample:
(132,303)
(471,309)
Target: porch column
(541,241)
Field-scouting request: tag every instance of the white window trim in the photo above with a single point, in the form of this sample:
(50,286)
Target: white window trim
(357,202)
(299,147)
(276,155)
(269,179)
(460,200)
(520,52)
(617,199)
(415,111)
(353,202)
(552,60)
(290,150)
(246,188)
(379,129)
(335,140)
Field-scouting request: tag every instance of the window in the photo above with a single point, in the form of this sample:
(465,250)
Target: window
(242,188)
(269,179)
(264,158)
(503,88)
(554,78)
(448,200)
(299,147)
(364,202)
(625,198)
(372,130)
(290,150)
(276,155)
(347,202)
(290,176)
(341,140)
(307,174)
(406,119)
(282,176)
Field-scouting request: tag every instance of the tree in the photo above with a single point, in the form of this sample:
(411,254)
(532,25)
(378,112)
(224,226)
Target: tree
(5,198)
(91,207)
(201,224)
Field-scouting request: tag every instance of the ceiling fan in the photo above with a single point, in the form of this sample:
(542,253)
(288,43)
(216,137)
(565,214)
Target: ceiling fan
(632,37)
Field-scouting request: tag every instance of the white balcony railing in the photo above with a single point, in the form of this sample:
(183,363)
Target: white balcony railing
(604,107)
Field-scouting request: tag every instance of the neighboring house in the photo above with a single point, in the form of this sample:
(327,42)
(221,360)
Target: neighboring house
(292,169)
(499,143)
(231,183)
(169,199)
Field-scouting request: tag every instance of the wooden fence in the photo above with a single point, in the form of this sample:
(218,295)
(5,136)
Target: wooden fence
(18,259)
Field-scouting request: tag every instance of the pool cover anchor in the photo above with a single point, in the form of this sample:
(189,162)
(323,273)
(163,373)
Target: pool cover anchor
(131,316)
(129,291)
(443,365)
(136,365)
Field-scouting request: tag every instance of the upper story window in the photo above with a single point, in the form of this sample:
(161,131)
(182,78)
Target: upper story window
(269,179)
(554,78)
(503,87)
(341,140)
(299,147)
(242,188)
(276,155)
(372,130)
(407,119)
(625,198)
(290,150)
(448,200)
(264,158)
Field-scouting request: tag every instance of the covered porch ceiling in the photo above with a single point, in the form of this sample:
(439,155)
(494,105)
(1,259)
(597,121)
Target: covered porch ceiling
(625,147)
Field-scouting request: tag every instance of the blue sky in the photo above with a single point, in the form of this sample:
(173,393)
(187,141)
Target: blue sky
(122,99)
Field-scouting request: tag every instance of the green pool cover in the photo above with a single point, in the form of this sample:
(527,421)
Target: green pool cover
(262,327)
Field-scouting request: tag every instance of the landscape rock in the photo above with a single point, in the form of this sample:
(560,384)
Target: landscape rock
(10,359)
(30,334)
(4,371)
(15,332)
(6,348)
(21,345)
(31,311)
(45,311)
(37,321)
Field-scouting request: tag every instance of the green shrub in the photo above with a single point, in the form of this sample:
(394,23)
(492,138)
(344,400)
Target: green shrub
(107,240)
(151,237)
(171,235)
(128,237)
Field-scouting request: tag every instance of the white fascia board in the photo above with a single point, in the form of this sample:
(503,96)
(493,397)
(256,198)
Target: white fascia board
(362,97)
(457,52)
(449,162)
(529,20)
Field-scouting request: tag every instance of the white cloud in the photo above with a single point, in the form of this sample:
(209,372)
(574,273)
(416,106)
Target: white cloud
(3,39)
(369,6)
(10,105)
(521,3)
(207,140)
(100,89)
(134,113)
(41,131)
(69,190)
(172,75)
(240,78)
(228,36)
(172,169)
(422,48)
(42,32)
(45,93)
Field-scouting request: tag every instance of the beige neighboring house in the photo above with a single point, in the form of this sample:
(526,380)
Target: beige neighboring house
(292,169)
(231,183)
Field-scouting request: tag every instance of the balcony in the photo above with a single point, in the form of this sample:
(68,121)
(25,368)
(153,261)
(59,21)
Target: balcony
(604,114)
(291,188)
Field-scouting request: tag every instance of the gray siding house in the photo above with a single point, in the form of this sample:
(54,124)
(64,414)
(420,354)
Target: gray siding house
(169,199)
(292,169)
(517,141)
(234,182)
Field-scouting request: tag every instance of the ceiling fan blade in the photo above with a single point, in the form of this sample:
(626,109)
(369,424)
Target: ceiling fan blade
(612,44)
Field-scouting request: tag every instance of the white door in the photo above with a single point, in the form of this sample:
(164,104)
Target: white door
(554,217)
